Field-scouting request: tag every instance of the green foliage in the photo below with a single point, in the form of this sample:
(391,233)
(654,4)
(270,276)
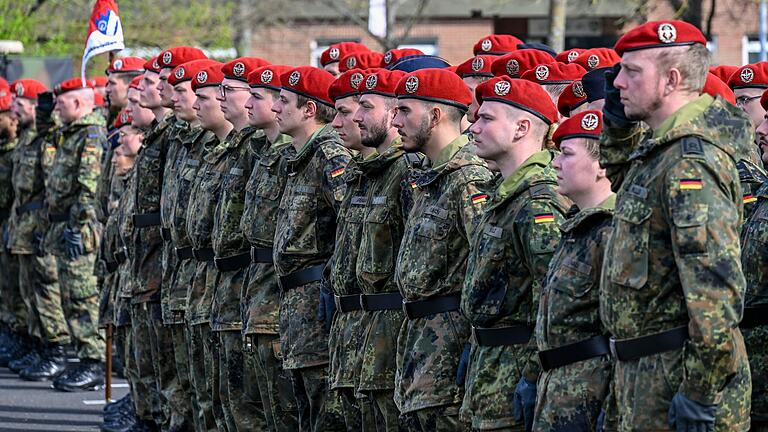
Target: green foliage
(58,27)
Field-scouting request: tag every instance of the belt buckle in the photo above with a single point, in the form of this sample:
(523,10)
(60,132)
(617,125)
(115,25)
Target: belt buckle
(362,301)
(253,254)
(612,348)
(337,301)
(474,333)
(405,308)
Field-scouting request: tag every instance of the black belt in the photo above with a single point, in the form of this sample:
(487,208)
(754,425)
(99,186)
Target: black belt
(261,255)
(165,234)
(573,353)
(302,277)
(348,303)
(754,316)
(30,206)
(500,336)
(184,253)
(431,306)
(378,302)
(203,254)
(633,349)
(145,220)
(232,263)
(58,217)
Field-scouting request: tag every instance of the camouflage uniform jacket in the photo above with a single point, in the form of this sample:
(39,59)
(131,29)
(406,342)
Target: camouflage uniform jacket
(173,160)
(304,237)
(227,238)
(206,191)
(678,213)
(346,333)
(6,179)
(569,302)
(389,200)
(432,261)
(754,261)
(28,188)
(508,259)
(194,144)
(147,185)
(260,299)
(125,229)
(71,179)
(110,244)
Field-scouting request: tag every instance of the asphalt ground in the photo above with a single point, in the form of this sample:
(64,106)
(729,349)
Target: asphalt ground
(36,406)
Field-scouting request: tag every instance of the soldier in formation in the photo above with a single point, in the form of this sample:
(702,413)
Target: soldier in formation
(527,242)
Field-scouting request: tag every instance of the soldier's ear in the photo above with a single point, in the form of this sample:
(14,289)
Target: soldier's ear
(522,127)
(310,108)
(673,80)
(435,115)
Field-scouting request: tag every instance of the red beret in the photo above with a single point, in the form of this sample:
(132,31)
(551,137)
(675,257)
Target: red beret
(98,100)
(267,76)
(395,54)
(175,56)
(656,34)
(554,73)
(586,124)
(496,44)
(5,102)
(309,82)
(239,68)
(597,58)
(4,84)
(335,52)
(209,76)
(28,88)
(478,66)
(347,84)
(135,82)
(435,85)
(152,65)
(764,100)
(187,71)
(723,72)
(126,64)
(360,60)
(571,98)
(382,82)
(123,119)
(98,81)
(714,86)
(568,56)
(751,75)
(70,85)
(517,63)
(520,94)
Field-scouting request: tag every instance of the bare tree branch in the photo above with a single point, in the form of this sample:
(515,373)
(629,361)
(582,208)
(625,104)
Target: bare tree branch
(351,15)
(410,24)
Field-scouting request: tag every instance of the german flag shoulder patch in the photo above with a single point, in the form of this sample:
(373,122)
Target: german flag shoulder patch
(479,198)
(543,218)
(337,172)
(691,184)
(749,198)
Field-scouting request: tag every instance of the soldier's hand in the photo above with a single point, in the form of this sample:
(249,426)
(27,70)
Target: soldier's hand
(525,402)
(43,111)
(686,415)
(73,242)
(461,372)
(613,110)
(326,308)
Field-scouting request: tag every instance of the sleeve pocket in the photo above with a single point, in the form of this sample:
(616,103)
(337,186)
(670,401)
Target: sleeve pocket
(691,229)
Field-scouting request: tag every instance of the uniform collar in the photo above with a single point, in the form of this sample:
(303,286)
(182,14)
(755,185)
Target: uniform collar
(684,115)
(449,152)
(604,208)
(379,161)
(532,166)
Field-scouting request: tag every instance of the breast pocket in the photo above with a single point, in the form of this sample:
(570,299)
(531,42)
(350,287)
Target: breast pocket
(573,278)
(378,246)
(490,275)
(630,244)
(428,254)
(302,212)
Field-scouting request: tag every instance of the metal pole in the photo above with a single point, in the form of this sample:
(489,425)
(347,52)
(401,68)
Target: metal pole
(763,19)
(108,371)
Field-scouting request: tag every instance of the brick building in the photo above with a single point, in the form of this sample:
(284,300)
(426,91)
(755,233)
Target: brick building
(301,30)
